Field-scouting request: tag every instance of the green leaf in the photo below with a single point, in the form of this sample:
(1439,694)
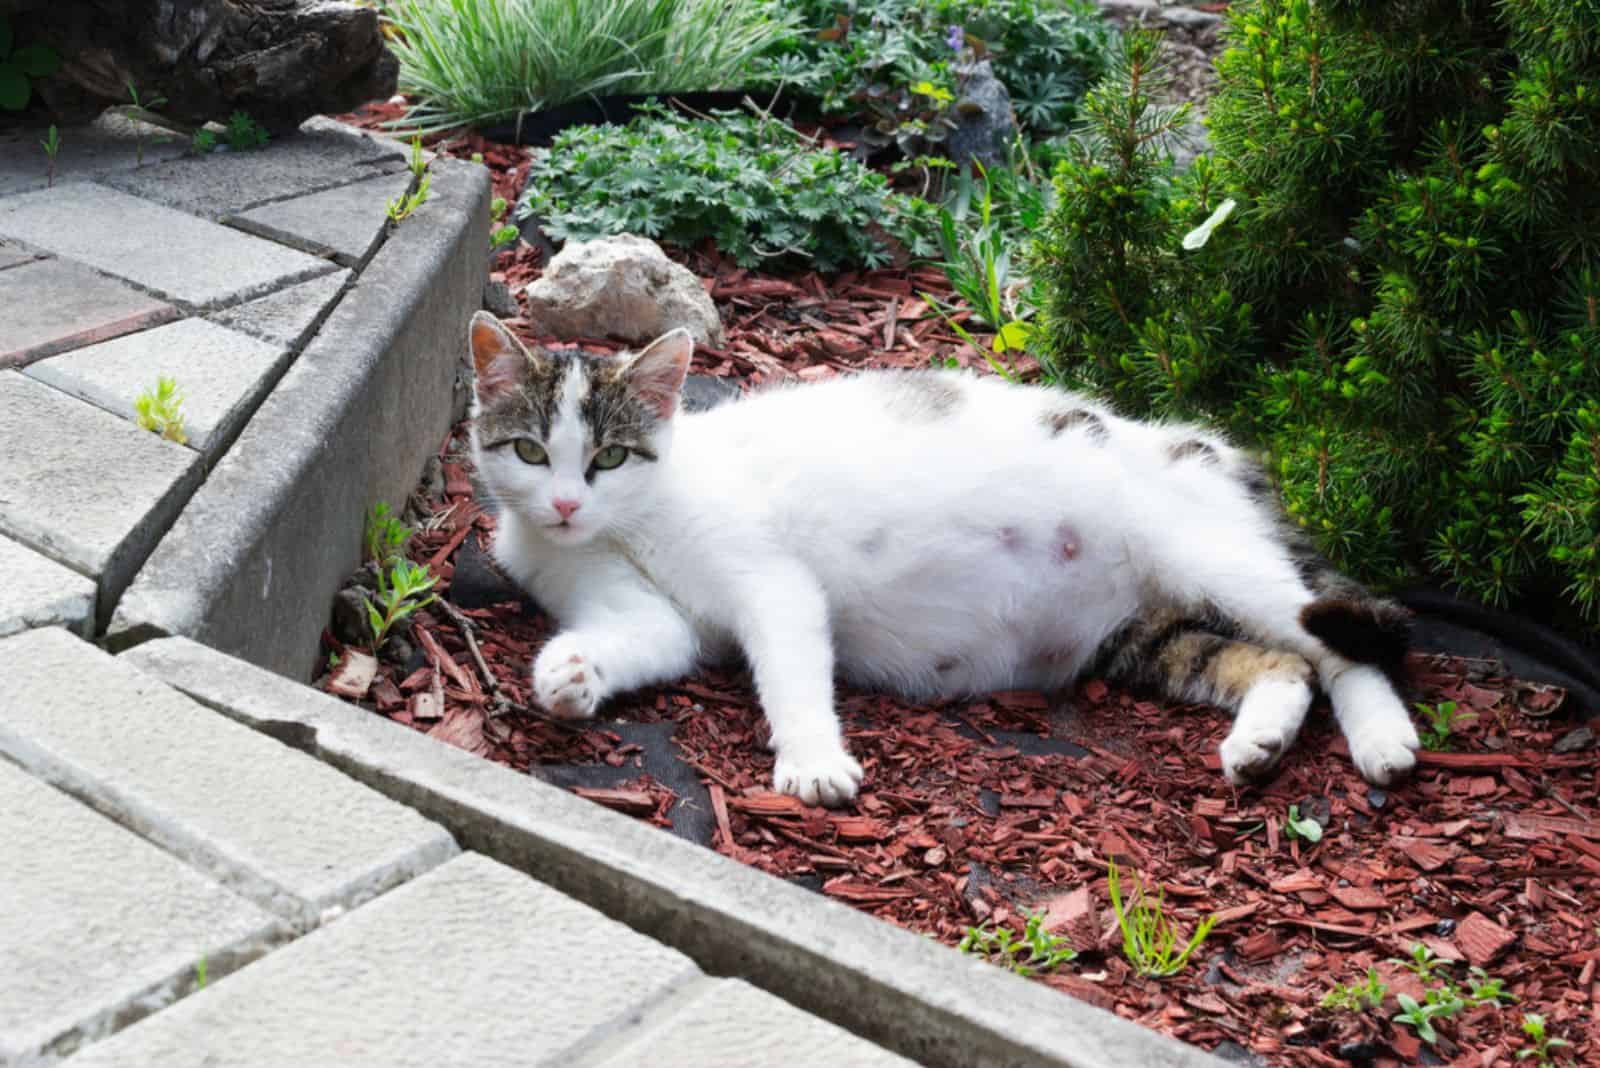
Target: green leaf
(14,88)
(1012,337)
(37,60)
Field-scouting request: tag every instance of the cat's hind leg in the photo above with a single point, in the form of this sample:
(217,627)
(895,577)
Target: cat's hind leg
(1203,659)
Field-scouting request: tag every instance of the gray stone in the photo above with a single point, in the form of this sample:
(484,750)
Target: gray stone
(174,255)
(344,223)
(472,964)
(85,488)
(623,287)
(1152,11)
(105,146)
(731,1022)
(499,300)
(35,591)
(254,561)
(890,986)
(291,834)
(52,306)
(986,125)
(322,155)
(289,316)
(100,927)
(221,374)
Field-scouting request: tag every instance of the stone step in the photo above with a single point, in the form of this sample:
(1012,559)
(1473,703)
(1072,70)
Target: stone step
(99,927)
(277,826)
(38,592)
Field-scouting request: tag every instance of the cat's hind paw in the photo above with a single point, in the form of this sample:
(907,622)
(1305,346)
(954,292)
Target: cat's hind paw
(1385,754)
(1265,727)
(826,775)
(565,683)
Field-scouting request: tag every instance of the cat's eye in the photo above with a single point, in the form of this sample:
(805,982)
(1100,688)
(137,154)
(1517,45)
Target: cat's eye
(531,452)
(610,456)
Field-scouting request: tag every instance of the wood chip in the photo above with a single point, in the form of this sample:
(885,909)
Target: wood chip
(632,802)
(354,674)
(1481,939)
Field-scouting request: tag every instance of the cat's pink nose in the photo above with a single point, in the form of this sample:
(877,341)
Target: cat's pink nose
(565,506)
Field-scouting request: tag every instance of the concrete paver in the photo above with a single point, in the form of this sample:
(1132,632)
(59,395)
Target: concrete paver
(109,144)
(55,305)
(220,373)
(167,252)
(35,591)
(288,316)
(344,223)
(471,964)
(13,253)
(84,487)
(280,827)
(100,926)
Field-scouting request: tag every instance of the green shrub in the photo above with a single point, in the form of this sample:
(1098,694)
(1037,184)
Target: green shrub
(478,61)
(1404,306)
(752,183)
(865,56)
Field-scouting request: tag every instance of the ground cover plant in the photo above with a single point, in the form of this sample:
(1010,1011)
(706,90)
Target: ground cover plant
(481,61)
(1404,306)
(756,186)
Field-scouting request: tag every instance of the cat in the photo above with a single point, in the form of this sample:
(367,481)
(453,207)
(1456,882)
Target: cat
(932,533)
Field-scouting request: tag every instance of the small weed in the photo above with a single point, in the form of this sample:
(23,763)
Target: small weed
(1442,719)
(385,535)
(1035,951)
(1423,963)
(1302,827)
(1354,998)
(405,204)
(200,973)
(244,133)
(1148,938)
(1542,1044)
(1421,1017)
(1486,991)
(141,105)
(203,142)
(51,145)
(503,234)
(401,589)
(160,410)
(417,164)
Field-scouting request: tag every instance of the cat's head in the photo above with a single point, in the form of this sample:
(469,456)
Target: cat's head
(572,441)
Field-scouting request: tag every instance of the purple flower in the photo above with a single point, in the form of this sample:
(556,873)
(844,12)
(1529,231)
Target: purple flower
(956,38)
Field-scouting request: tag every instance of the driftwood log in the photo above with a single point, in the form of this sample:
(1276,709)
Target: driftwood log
(280,61)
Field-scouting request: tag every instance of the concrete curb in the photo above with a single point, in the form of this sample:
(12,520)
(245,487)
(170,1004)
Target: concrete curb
(253,562)
(885,984)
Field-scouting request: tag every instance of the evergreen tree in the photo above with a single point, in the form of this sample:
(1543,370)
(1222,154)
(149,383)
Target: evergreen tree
(1403,306)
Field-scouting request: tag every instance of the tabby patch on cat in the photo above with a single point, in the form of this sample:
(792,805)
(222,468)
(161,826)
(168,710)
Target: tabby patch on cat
(933,534)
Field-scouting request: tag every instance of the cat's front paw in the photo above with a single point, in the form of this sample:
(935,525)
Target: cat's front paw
(817,773)
(566,683)
(1385,753)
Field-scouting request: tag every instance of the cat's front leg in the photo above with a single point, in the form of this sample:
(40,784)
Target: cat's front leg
(783,627)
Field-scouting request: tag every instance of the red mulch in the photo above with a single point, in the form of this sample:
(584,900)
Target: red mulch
(1490,855)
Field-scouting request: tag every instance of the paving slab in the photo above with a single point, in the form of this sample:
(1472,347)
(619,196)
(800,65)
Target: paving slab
(99,926)
(35,591)
(168,253)
(109,144)
(344,224)
(289,316)
(53,305)
(14,252)
(221,374)
(290,833)
(322,154)
(890,986)
(83,487)
(258,554)
(731,1022)
(471,964)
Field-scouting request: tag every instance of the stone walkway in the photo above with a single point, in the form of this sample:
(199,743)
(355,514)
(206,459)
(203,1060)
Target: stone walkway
(203,860)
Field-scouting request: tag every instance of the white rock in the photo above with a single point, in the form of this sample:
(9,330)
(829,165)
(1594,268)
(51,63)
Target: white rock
(622,287)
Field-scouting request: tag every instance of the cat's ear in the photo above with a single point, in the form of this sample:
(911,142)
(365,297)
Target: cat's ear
(657,373)
(499,360)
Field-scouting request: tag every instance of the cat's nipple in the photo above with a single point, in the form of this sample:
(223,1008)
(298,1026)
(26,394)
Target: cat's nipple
(1070,543)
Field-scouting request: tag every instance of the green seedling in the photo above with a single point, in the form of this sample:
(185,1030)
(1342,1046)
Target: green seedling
(21,67)
(1542,1043)
(1353,998)
(1302,827)
(203,142)
(1420,1017)
(160,410)
(1035,951)
(1442,719)
(504,234)
(385,535)
(1424,962)
(1486,991)
(1149,939)
(51,145)
(402,589)
(418,164)
(200,973)
(405,204)
(138,106)
(243,133)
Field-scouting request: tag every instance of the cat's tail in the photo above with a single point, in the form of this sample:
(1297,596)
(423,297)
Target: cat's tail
(1363,628)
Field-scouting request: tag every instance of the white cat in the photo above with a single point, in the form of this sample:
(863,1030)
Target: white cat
(930,533)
